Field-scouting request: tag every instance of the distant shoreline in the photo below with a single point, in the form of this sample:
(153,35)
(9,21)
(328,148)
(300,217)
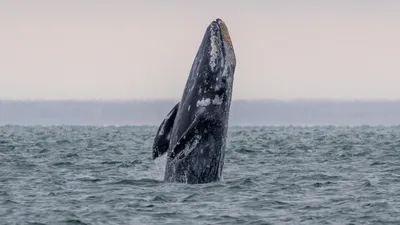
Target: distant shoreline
(303,112)
(315,100)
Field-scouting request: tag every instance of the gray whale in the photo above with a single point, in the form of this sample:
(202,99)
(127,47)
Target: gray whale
(193,134)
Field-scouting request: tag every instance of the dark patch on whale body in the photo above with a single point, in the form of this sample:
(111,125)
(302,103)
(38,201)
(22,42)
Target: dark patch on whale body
(193,135)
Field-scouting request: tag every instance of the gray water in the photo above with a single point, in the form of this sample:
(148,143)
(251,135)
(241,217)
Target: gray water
(272,175)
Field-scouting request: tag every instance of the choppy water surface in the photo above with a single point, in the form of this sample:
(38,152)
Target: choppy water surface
(272,175)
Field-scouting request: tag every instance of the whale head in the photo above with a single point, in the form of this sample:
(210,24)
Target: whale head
(212,74)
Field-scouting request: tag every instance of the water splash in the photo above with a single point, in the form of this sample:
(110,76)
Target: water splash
(160,163)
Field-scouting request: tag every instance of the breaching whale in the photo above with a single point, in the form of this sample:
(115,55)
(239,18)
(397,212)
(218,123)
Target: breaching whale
(193,134)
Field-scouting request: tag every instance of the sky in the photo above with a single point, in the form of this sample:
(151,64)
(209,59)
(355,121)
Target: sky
(98,49)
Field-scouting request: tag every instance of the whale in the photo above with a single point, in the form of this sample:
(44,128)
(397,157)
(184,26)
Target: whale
(193,134)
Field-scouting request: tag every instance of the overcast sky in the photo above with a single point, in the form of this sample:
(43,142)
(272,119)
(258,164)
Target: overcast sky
(97,49)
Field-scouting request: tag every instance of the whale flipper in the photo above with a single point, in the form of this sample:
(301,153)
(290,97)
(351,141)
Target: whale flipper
(161,141)
(197,127)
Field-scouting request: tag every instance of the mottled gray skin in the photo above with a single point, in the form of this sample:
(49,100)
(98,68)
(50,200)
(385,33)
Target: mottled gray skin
(194,133)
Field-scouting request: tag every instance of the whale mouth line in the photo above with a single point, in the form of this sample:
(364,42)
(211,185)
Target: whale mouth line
(221,37)
(218,45)
(224,31)
(226,46)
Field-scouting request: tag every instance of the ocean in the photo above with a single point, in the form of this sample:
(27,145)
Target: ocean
(272,175)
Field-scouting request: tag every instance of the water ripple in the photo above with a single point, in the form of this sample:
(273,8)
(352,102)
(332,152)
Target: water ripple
(272,175)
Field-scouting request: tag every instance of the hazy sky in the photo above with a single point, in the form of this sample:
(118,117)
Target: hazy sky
(97,49)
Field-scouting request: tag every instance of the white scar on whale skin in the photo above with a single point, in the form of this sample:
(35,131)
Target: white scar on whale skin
(203,102)
(206,102)
(217,100)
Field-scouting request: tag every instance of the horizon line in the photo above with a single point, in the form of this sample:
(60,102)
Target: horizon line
(233,100)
